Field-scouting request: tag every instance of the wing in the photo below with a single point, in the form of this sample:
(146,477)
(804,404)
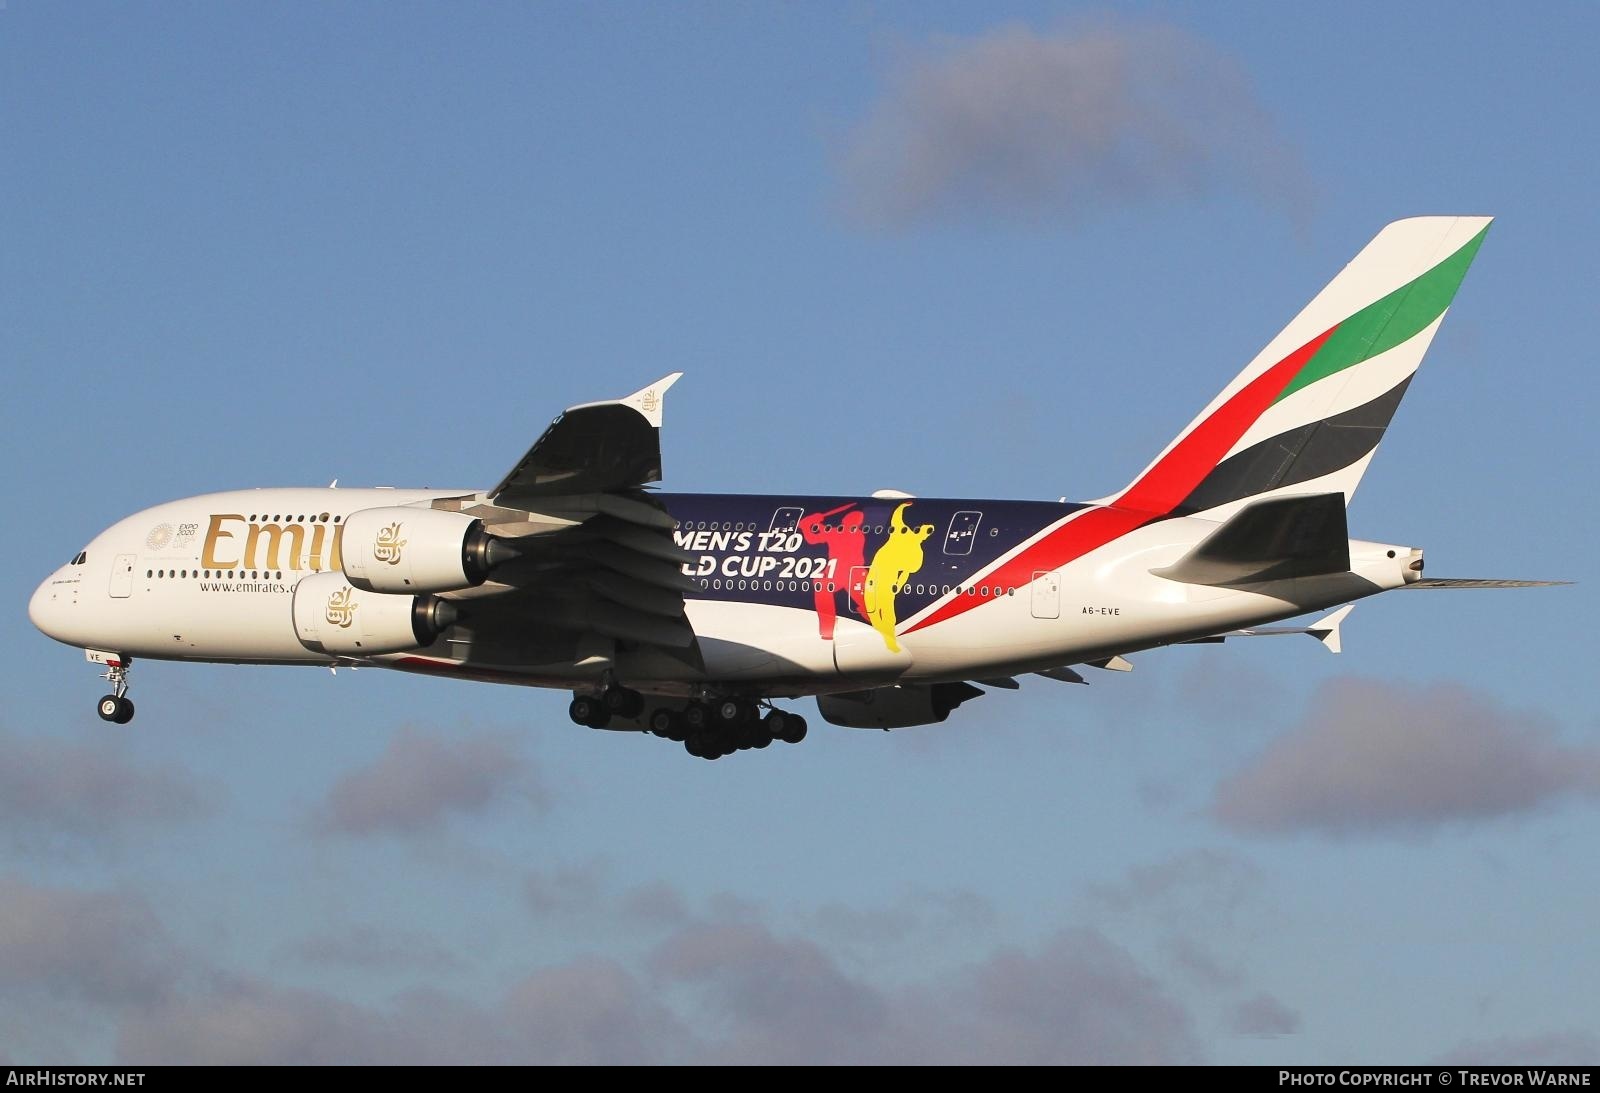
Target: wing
(595,561)
(593,448)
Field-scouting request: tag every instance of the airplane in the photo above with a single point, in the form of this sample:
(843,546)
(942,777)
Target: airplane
(690,616)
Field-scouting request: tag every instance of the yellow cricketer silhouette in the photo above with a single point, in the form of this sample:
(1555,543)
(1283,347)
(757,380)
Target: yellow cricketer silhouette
(891,567)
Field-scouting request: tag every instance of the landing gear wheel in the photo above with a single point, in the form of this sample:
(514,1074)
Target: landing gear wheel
(115,709)
(622,702)
(702,746)
(588,710)
(794,728)
(115,706)
(734,712)
(696,717)
(667,723)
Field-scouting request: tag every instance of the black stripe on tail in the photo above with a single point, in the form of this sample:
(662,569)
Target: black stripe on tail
(1298,455)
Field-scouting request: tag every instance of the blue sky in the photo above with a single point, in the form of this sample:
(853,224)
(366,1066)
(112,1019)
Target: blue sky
(387,243)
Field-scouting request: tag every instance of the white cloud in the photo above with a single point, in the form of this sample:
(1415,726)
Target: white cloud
(1018,124)
(420,781)
(102,948)
(369,947)
(1264,1015)
(1371,756)
(727,988)
(52,790)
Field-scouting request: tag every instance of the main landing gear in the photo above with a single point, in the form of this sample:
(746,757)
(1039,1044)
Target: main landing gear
(708,729)
(596,711)
(115,707)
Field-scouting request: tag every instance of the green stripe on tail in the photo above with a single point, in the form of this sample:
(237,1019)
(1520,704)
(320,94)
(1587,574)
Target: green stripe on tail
(1396,318)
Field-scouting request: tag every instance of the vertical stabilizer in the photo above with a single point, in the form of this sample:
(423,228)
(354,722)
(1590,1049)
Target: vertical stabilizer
(1307,414)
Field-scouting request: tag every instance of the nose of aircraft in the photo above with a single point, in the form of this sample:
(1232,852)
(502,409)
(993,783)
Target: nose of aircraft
(45,608)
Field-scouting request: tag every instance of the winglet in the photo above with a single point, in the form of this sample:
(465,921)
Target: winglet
(1326,629)
(649,400)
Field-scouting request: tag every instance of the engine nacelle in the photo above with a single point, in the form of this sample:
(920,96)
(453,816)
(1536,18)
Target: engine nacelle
(401,549)
(332,617)
(896,707)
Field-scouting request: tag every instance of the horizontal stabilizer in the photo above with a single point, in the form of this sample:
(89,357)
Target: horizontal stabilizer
(1479,582)
(1276,539)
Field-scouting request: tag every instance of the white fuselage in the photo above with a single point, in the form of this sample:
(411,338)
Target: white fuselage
(212,578)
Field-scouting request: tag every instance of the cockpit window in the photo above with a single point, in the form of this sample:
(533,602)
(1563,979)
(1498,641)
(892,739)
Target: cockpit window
(83,556)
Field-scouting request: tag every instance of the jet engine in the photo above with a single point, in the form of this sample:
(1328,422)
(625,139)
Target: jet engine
(402,549)
(334,618)
(896,707)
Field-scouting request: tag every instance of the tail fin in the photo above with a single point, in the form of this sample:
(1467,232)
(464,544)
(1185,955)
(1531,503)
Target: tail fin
(1309,411)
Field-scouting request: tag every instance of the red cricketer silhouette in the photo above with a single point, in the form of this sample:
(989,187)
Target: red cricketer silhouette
(847,547)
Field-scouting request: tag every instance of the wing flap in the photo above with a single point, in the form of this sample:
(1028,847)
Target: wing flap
(627,592)
(641,567)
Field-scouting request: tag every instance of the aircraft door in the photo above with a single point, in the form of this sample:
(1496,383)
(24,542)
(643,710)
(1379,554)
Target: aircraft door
(857,590)
(122,576)
(1046,595)
(786,519)
(963,529)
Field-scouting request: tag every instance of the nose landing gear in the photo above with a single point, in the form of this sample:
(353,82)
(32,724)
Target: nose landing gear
(115,707)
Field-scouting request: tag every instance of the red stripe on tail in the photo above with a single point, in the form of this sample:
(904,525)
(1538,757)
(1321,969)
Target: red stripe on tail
(1153,496)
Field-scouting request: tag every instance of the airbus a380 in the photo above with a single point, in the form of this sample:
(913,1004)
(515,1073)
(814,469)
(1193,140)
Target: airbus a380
(690,615)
